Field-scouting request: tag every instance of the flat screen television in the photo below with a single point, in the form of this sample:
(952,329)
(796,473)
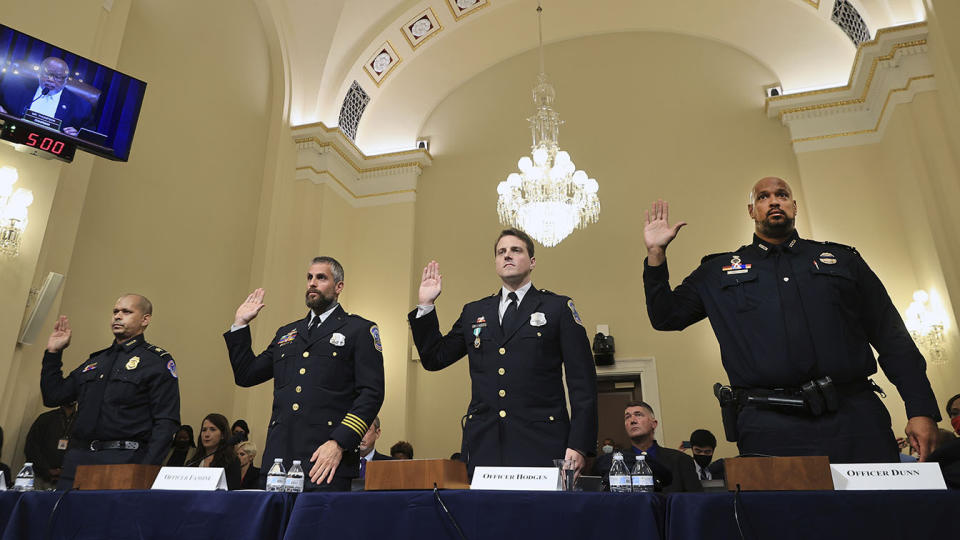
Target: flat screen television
(55,101)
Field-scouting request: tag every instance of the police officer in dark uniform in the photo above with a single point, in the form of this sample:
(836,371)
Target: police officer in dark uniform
(795,319)
(327,372)
(518,341)
(127,395)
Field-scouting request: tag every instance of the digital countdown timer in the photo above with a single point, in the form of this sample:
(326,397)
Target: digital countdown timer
(37,140)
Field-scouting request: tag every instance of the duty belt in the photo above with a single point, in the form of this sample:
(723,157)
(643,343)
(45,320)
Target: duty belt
(96,446)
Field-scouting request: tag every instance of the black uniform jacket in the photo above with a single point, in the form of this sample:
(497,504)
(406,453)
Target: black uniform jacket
(518,414)
(141,401)
(326,386)
(790,313)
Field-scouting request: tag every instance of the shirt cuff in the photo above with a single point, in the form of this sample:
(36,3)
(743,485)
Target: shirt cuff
(234,328)
(424,310)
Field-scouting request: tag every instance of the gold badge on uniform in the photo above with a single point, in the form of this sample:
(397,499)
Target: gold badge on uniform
(133,363)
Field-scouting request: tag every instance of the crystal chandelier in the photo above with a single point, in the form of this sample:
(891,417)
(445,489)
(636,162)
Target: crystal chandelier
(13,212)
(927,320)
(548,198)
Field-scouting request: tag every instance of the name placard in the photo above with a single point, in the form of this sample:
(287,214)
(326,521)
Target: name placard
(516,478)
(42,119)
(858,476)
(190,479)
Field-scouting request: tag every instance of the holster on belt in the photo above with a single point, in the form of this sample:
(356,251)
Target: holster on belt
(729,409)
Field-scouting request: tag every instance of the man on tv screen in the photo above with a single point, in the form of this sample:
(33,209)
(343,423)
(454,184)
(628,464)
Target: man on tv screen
(20,93)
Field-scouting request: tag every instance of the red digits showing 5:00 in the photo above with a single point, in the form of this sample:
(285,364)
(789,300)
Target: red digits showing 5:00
(46,143)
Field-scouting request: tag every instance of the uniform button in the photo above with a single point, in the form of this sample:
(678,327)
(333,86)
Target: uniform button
(502,393)
(334,353)
(303,370)
(282,355)
(503,351)
(503,414)
(329,422)
(470,417)
(539,334)
(501,371)
(296,406)
(306,354)
(786,279)
(299,389)
(551,419)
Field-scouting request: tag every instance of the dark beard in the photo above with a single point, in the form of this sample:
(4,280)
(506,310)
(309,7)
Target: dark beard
(320,303)
(777,230)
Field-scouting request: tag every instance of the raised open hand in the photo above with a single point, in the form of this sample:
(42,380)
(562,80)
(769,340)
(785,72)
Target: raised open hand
(430,284)
(60,338)
(249,309)
(658,233)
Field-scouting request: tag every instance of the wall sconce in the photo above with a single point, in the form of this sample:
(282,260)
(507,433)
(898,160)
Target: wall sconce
(13,212)
(927,320)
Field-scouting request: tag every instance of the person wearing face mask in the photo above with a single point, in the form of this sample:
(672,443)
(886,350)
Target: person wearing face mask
(182,443)
(953,411)
(948,451)
(607,446)
(703,444)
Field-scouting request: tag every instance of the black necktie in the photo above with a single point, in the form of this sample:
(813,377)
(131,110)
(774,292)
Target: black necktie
(511,310)
(89,412)
(314,322)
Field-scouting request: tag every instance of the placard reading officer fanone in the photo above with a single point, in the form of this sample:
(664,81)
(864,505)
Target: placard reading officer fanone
(515,478)
(859,476)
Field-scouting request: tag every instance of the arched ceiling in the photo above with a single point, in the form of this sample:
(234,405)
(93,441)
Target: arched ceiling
(326,44)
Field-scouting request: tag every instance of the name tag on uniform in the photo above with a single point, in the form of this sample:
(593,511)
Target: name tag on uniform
(859,476)
(516,478)
(191,479)
(62,444)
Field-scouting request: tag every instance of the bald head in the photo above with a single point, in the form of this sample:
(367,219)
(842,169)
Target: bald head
(773,209)
(53,74)
(145,306)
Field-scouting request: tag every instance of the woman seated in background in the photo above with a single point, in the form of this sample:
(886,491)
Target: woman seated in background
(182,443)
(249,475)
(213,449)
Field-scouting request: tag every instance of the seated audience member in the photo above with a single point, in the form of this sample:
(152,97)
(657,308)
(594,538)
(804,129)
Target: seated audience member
(249,475)
(213,450)
(607,446)
(182,443)
(908,454)
(367,448)
(241,425)
(953,411)
(401,450)
(46,444)
(3,466)
(674,470)
(703,444)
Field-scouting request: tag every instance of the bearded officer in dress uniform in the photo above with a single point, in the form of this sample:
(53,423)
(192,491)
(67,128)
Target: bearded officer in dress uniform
(519,341)
(127,395)
(327,372)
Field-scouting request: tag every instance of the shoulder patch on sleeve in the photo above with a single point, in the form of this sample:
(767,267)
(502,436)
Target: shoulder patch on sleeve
(172,368)
(573,310)
(375,333)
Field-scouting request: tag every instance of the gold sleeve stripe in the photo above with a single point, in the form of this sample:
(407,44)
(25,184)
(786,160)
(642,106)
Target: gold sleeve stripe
(353,427)
(359,420)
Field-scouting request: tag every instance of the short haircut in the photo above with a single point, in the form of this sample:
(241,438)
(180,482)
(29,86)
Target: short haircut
(376,422)
(703,438)
(950,402)
(402,447)
(335,266)
(242,424)
(249,448)
(638,403)
(513,231)
(145,305)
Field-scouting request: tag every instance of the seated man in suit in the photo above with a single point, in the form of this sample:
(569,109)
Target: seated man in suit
(673,469)
(49,97)
(368,453)
(703,444)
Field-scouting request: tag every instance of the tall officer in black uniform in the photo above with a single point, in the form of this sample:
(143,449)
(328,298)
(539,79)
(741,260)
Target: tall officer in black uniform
(517,414)
(127,395)
(327,372)
(789,312)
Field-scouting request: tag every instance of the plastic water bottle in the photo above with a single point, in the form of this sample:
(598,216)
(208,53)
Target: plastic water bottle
(641,476)
(295,478)
(619,475)
(25,478)
(276,476)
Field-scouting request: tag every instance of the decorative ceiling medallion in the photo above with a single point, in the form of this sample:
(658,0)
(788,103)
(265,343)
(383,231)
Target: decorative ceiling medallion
(420,28)
(462,8)
(382,62)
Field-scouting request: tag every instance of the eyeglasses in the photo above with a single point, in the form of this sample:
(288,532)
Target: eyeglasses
(54,76)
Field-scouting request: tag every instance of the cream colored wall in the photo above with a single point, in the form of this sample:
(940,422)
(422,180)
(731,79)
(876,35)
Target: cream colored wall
(685,124)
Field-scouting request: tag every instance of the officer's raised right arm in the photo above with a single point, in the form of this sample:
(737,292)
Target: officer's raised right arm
(55,389)
(248,369)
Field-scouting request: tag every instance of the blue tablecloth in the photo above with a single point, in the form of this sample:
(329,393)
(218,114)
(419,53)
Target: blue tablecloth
(8,499)
(146,515)
(480,514)
(803,515)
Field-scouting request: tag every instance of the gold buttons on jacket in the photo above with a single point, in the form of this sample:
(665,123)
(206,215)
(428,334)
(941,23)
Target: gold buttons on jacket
(334,353)
(539,334)
(303,370)
(551,419)
(329,422)
(296,406)
(502,351)
(502,393)
(503,414)
(299,389)
(306,354)
(501,371)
